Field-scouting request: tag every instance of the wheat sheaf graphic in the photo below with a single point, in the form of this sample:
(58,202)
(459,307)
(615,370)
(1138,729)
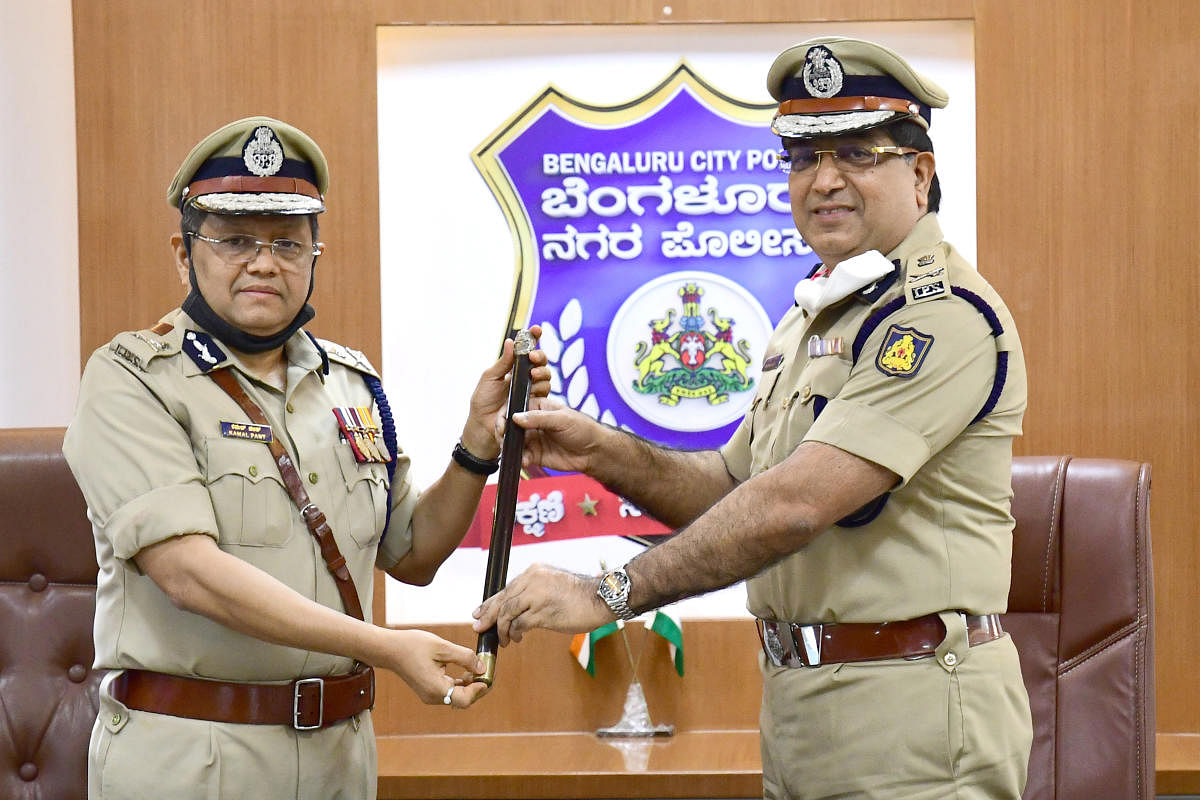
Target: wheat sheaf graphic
(563,345)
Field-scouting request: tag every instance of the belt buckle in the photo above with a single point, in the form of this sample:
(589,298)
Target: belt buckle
(296,689)
(811,637)
(772,642)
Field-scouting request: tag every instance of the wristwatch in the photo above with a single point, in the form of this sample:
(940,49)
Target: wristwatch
(614,591)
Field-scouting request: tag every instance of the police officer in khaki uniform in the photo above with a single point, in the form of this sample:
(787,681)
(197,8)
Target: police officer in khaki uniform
(243,482)
(866,494)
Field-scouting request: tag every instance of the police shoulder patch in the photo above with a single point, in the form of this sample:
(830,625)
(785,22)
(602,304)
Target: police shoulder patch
(347,357)
(903,351)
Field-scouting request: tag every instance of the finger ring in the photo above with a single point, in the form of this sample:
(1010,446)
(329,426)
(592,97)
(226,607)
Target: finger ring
(446,700)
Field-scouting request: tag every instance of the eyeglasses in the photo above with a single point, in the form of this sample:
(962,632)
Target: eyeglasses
(847,157)
(238,249)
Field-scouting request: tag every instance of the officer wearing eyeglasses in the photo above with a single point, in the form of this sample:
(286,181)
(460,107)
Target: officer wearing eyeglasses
(244,481)
(865,496)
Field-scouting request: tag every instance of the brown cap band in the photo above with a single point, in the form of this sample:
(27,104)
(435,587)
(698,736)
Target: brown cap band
(245,183)
(835,104)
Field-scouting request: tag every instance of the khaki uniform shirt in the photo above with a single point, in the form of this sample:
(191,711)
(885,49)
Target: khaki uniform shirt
(908,402)
(148,451)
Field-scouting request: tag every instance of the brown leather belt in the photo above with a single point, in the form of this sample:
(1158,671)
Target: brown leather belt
(789,644)
(306,704)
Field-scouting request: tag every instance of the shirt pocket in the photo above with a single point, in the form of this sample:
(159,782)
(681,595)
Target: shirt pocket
(251,503)
(365,509)
(821,380)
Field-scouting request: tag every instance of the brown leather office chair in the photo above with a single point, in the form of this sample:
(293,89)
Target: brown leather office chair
(47,602)
(1081,613)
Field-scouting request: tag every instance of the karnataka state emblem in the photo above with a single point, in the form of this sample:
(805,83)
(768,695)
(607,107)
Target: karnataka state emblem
(903,351)
(689,362)
(693,347)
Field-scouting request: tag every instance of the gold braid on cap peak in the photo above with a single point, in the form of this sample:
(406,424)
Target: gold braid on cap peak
(243,183)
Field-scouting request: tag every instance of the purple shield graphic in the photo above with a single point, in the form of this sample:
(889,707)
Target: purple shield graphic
(655,247)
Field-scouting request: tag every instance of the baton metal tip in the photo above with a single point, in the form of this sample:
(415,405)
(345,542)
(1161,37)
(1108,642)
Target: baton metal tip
(488,676)
(523,344)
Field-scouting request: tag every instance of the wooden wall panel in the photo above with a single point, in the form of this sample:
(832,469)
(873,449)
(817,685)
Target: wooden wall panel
(518,12)
(153,78)
(1087,176)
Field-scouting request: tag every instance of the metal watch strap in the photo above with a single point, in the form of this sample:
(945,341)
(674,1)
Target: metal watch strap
(313,516)
(619,604)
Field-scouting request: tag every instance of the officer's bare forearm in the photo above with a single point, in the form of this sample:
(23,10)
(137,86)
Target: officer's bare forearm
(440,520)
(762,521)
(674,486)
(737,538)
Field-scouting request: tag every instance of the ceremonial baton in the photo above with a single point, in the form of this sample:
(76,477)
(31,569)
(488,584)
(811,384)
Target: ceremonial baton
(506,499)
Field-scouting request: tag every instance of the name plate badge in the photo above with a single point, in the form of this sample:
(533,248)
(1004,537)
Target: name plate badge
(246,430)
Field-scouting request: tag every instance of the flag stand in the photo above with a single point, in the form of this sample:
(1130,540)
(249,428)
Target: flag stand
(635,721)
(635,718)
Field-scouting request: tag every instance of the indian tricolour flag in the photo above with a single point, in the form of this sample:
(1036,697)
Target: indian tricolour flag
(667,625)
(583,645)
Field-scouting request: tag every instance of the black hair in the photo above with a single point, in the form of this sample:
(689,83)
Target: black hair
(907,133)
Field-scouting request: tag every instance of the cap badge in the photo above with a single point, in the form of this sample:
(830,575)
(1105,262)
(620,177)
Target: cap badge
(822,72)
(263,155)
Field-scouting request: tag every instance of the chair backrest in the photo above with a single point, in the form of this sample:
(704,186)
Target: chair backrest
(48,689)
(1081,613)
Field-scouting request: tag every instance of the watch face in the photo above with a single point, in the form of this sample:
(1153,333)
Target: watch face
(614,584)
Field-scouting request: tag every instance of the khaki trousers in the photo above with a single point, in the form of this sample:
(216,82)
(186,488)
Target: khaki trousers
(917,730)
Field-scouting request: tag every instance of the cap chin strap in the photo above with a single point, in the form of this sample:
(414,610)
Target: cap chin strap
(196,307)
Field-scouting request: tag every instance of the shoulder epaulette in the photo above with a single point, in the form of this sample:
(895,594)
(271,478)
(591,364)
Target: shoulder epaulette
(926,277)
(347,357)
(139,348)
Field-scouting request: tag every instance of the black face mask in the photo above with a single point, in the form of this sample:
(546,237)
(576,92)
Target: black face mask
(196,307)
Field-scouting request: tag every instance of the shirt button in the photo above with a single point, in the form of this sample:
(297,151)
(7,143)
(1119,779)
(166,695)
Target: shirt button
(312,477)
(805,394)
(949,659)
(116,719)
(253,471)
(291,409)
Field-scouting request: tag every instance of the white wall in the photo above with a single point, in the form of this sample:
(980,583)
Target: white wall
(39,230)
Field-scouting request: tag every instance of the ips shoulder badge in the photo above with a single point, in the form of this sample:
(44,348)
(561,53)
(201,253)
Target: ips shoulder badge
(927,278)
(903,351)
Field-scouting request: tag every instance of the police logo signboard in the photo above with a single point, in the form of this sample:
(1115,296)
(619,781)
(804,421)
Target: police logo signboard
(655,248)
